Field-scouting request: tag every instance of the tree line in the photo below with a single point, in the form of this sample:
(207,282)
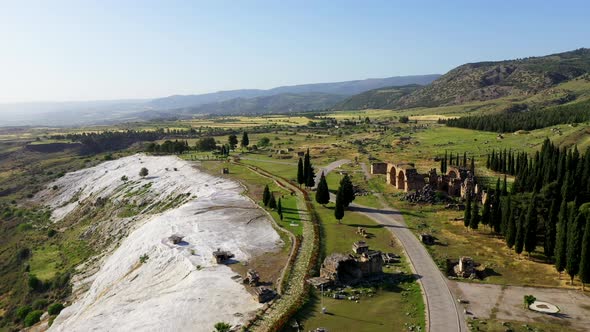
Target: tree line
(521,118)
(455,160)
(548,205)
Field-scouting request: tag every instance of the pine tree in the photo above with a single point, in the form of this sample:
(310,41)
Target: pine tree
(339,207)
(511,228)
(584,273)
(266,195)
(347,190)
(245,140)
(530,227)
(561,238)
(322,195)
(280,209)
(519,239)
(272,203)
(574,244)
(300,174)
(467,215)
(475,217)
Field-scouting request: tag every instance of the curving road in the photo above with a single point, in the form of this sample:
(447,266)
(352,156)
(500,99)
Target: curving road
(443,313)
(328,169)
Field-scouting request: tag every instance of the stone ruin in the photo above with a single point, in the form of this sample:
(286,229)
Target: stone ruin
(465,268)
(175,238)
(252,278)
(263,294)
(222,256)
(457,182)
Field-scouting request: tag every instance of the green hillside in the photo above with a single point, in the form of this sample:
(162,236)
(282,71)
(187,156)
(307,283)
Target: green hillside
(382,98)
(541,81)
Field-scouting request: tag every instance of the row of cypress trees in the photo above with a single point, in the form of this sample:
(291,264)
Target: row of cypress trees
(455,160)
(344,195)
(305,171)
(548,206)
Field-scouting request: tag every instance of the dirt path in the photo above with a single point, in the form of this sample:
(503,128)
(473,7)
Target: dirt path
(506,303)
(443,313)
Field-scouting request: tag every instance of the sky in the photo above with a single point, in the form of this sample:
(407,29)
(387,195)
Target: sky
(93,50)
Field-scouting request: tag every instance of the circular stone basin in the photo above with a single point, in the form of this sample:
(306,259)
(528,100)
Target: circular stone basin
(544,307)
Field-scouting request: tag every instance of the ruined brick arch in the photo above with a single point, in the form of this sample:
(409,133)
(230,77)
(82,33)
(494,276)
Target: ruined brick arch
(454,173)
(391,174)
(401,180)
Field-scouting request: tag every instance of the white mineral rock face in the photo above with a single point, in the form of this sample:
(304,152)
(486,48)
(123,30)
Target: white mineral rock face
(179,287)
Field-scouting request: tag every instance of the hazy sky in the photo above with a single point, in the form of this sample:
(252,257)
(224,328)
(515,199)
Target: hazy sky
(88,50)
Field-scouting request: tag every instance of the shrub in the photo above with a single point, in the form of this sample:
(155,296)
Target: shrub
(33,318)
(23,311)
(108,157)
(143,258)
(23,253)
(35,283)
(124,178)
(143,172)
(55,309)
(24,227)
(40,304)
(51,233)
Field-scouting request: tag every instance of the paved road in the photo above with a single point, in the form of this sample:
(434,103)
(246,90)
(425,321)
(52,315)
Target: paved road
(443,313)
(328,169)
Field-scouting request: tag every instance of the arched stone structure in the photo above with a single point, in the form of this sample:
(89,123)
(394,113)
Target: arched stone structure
(391,174)
(401,180)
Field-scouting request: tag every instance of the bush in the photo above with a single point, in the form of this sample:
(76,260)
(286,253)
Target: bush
(33,318)
(35,283)
(55,309)
(51,233)
(124,178)
(23,311)
(40,304)
(23,253)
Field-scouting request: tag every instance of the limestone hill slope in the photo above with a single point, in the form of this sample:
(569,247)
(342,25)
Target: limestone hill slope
(146,282)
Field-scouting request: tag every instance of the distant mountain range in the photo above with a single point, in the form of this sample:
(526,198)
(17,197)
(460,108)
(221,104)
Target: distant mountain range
(483,81)
(347,88)
(282,99)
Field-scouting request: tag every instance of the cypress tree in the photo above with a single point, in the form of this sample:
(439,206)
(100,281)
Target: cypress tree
(472,165)
(300,173)
(457,160)
(530,227)
(505,187)
(561,238)
(465,159)
(496,216)
(347,190)
(584,273)
(308,171)
(574,244)
(280,209)
(475,218)
(245,140)
(486,214)
(272,203)
(550,229)
(339,208)
(506,210)
(511,228)
(467,215)
(519,239)
(322,195)
(266,195)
